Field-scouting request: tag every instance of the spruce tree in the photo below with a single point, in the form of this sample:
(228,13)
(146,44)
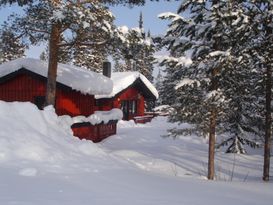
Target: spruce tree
(261,13)
(136,50)
(206,37)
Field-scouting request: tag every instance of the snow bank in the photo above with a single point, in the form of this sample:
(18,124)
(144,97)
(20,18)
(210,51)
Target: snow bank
(42,163)
(30,135)
(123,80)
(85,81)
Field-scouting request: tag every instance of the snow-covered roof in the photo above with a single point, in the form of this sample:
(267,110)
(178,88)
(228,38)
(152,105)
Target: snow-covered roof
(85,81)
(123,80)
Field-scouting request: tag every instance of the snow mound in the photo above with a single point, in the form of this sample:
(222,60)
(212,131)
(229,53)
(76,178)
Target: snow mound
(29,135)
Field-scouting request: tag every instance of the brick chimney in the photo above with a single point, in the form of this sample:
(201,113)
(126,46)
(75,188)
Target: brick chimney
(106,69)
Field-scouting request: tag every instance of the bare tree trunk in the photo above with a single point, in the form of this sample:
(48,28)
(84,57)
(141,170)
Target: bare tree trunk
(53,63)
(268,122)
(268,98)
(212,129)
(213,114)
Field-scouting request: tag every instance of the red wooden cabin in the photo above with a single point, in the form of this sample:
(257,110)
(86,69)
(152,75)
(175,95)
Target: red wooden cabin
(130,92)
(25,80)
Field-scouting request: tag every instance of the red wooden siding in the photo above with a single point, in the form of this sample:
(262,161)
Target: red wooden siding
(96,133)
(25,88)
(129,94)
(22,88)
(74,103)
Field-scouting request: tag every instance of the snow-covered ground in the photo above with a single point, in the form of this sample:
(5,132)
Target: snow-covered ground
(42,163)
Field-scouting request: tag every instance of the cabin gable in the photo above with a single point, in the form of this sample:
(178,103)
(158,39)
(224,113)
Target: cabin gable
(24,85)
(130,100)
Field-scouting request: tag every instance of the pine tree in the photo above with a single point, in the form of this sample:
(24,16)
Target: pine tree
(136,51)
(261,13)
(10,47)
(241,124)
(207,37)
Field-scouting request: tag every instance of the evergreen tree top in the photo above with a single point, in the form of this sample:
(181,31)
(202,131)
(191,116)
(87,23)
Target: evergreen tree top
(140,21)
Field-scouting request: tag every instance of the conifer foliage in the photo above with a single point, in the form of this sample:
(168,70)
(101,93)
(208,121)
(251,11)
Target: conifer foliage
(219,72)
(262,56)
(10,46)
(202,49)
(136,50)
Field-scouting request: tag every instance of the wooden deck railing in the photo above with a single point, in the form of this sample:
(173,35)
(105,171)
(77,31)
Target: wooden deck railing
(96,133)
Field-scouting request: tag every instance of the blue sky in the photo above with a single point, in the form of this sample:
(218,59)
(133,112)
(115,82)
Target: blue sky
(124,16)
(129,17)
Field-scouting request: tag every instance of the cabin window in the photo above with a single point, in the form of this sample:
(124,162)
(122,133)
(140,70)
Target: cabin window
(39,101)
(97,103)
(124,106)
(129,107)
(133,106)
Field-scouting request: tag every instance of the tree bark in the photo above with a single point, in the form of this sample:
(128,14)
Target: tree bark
(268,122)
(268,98)
(212,129)
(213,114)
(53,63)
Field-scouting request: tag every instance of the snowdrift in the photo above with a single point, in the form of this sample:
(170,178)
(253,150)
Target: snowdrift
(28,134)
(42,163)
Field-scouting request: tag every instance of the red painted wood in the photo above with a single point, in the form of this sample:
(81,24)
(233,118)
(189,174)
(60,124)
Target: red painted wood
(128,94)
(24,88)
(96,133)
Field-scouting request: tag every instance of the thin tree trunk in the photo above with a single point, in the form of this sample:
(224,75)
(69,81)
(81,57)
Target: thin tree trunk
(268,98)
(213,114)
(52,64)
(212,129)
(268,122)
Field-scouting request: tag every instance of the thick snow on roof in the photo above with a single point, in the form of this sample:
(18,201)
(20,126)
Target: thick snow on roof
(122,80)
(100,117)
(85,81)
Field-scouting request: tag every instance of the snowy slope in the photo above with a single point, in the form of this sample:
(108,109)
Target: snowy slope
(75,77)
(42,163)
(145,147)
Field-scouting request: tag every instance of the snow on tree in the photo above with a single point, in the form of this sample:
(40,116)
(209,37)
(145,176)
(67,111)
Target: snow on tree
(201,42)
(10,46)
(159,86)
(136,50)
(86,56)
(261,54)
